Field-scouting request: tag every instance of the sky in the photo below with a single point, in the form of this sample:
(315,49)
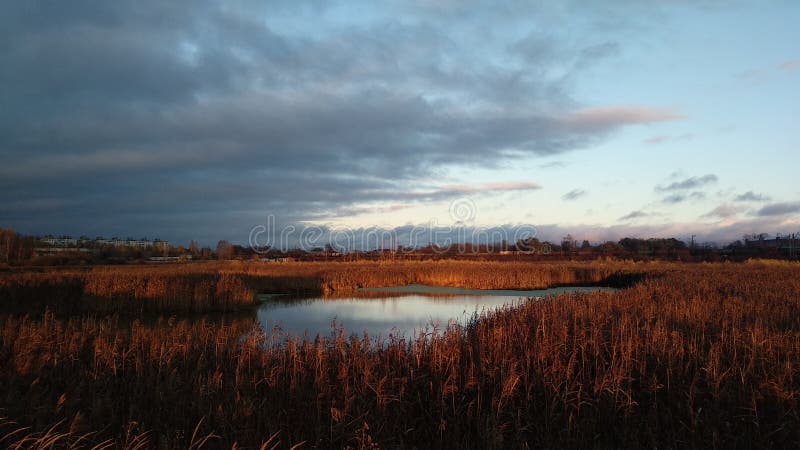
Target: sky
(211,120)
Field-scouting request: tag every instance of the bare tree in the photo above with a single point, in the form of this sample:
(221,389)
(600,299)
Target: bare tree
(193,248)
(224,250)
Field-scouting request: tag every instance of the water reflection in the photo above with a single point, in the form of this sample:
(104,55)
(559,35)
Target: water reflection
(397,311)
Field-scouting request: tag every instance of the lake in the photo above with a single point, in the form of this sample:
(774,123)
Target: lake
(394,311)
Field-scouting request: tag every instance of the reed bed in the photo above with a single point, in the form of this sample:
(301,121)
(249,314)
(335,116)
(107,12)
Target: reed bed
(228,286)
(474,274)
(128,291)
(701,356)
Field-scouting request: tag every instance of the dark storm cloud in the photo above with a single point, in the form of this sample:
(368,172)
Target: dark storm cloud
(197,116)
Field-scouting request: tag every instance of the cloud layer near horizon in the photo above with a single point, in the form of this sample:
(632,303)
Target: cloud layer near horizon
(175,113)
(196,119)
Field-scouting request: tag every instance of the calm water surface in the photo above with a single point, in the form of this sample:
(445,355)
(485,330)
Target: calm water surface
(396,311)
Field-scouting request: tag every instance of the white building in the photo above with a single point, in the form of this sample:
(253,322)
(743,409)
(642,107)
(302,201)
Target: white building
(64,241)
(67,241)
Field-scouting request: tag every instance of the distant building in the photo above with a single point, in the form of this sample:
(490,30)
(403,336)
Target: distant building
(43,251)
(64,241)
(280,260)
(778,242)
(163,259)
(67,241)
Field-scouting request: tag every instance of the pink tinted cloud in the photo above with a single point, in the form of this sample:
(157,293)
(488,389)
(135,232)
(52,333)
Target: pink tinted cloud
(723,212)
(790,66)
(616,116)
(763,73)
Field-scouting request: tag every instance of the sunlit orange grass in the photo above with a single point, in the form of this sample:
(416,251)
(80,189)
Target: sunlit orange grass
(233,285)
(704,356)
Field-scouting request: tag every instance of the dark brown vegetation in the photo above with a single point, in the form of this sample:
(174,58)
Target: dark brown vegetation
(702,356)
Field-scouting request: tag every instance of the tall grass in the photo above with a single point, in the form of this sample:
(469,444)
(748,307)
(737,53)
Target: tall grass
(233,285)
(469,274)
(143,290)
(702,356)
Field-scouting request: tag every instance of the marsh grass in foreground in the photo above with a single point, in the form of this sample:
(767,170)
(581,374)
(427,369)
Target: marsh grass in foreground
(704,356)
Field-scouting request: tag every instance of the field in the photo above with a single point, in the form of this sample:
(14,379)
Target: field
(233,285)
(692,355)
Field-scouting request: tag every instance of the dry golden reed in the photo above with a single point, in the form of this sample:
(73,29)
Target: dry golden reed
(699,356)
(233,285)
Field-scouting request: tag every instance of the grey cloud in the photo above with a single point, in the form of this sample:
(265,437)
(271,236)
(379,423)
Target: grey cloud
(662,139)
(679,197)
(688,183)
(352,211)
(574,194)
(764,72)
(751,196)
(449,192)
(633,215)
(153,116)
(779,209)
(790,66)
(722,212)
(674,198)
(552,164)
(424,233)
(705,231)
(370,238)
(537,47)
(445,193)
(540,49)
(593,53)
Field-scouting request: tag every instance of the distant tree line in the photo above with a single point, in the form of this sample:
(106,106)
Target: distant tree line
(18,249)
